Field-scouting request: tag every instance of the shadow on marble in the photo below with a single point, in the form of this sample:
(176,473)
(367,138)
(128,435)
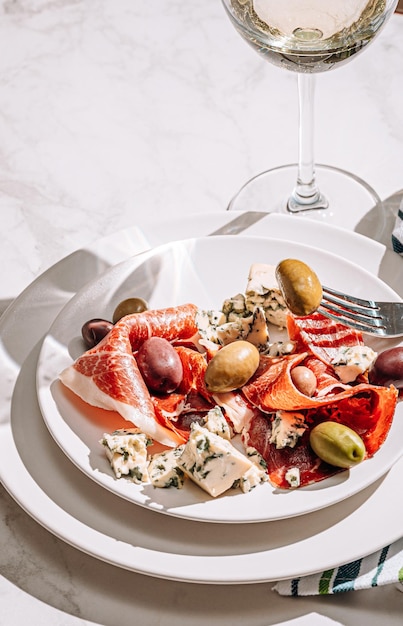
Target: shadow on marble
(378,224)
(4,304)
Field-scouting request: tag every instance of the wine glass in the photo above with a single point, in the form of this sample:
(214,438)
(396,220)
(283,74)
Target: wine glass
(308,37)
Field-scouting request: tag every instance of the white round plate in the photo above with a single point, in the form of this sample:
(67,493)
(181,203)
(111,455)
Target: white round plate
(61,498)
(204,271)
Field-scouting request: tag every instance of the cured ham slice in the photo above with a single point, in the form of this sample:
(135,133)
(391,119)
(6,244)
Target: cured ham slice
(321,336)
(191,402)
(271,387)
(279,462)
(107,376)
(365,408)
(236,407)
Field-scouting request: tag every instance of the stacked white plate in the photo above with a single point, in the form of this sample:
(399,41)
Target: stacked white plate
(51,461)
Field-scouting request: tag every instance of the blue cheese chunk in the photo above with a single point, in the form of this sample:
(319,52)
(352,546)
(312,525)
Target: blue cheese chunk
(281,348)
(233,331)
(225,330)
(207,323)
(293,477)
(252,328)
(164,471)
(262,290)
(287,427)
(352,361)
(126,450)
(256,458)
(252,477)
(216,423)
(257,473)
(212,462)
(235,307)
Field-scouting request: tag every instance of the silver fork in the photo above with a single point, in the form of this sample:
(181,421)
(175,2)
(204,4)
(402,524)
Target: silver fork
(384,319)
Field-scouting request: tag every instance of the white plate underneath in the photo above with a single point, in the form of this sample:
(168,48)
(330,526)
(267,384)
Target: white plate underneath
(204,271)
(62,499)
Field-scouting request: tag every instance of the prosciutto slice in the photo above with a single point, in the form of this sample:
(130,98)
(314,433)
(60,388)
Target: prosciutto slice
(321,335)
(191,401)
(365,408)
(107,376)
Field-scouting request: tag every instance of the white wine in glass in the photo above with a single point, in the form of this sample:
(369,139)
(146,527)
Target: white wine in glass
(308,37)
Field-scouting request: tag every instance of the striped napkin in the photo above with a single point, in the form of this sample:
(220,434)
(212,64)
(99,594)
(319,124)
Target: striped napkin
(397,234)
(384,567)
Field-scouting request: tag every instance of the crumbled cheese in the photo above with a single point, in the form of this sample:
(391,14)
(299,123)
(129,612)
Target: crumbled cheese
(233,331)
(235,307)
(262,290)
(352,361)
(256,458)
(224,330)
(293,477)
(281,348)
(207,322)
(252,477)
(257,473)
(287,427)
(126,450)
(164,471)
(212,462)
(216,423)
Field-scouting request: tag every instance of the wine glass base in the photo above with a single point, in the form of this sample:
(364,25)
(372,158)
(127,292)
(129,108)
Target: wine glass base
(349,197)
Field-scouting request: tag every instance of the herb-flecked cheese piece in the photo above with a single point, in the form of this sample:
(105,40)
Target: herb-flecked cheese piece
(287,427)
(262,290)
(164,470)
(216,423)
(352,361)
(211,461)
(126,450)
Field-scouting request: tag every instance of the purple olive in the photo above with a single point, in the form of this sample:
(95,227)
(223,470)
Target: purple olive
(388,368)
(94,330)
(160,365)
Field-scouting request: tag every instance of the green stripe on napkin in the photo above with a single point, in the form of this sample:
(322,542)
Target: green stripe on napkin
(384,567)
(397,235)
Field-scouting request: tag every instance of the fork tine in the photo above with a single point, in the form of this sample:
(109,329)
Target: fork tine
(366,327)
(352,315)
(345,306)
(384,319)
(367,304)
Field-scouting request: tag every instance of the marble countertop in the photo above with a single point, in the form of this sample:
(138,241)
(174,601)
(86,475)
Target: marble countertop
(116,112)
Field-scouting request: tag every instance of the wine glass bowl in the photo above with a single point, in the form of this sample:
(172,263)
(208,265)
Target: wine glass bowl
(307,37)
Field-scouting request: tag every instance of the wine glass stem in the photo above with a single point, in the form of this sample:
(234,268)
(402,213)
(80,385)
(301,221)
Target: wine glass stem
(306,195)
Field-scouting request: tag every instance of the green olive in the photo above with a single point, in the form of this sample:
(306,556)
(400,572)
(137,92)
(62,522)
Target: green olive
(129,306)
(231,367)
(337,444)
(300,286)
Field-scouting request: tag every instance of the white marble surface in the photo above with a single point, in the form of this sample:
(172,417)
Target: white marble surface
(116,111)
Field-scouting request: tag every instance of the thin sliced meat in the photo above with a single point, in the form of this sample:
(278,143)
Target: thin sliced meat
(191,401)
(107,376)
(238,410)
(172,323)
(167,410)
(321,336)
(279,462)
(272,388)
(365,408)
(369,413)
(194,367)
